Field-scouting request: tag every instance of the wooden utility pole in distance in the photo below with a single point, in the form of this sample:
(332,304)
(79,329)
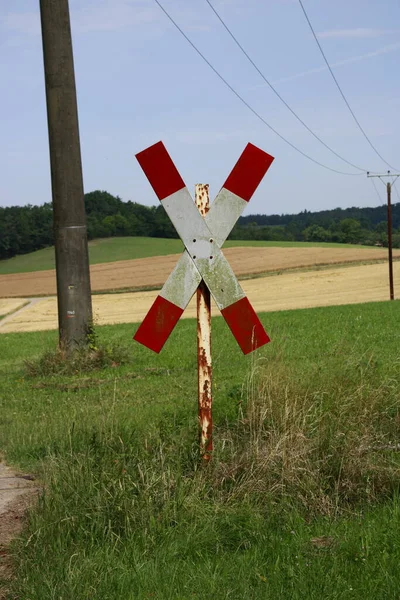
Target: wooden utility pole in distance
(69,219)
(390,247)
(388,186)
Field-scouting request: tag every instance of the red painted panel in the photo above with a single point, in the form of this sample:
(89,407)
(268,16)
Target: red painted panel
(160,170)
(245,325)
(158,324)
(248,172)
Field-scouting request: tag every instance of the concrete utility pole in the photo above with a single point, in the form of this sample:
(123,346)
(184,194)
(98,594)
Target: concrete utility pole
(388,186)
(70,235)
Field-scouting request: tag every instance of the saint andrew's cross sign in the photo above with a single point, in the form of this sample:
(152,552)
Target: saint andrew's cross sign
(202,257)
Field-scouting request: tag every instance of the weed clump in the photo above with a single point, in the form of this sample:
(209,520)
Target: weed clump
(80,360)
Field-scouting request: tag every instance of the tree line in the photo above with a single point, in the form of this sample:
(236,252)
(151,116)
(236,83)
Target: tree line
(24,229)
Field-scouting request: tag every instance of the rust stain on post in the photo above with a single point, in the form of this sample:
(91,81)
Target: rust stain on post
(204,344)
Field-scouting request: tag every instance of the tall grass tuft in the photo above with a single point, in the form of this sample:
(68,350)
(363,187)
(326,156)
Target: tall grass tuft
(325,445)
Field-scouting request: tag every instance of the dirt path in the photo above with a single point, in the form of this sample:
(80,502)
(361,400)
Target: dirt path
(152,272)
(305,289)
(17,493)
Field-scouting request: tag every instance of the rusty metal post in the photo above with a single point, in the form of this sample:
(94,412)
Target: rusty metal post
(204,345)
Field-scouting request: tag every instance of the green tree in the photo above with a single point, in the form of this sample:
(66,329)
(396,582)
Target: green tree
(315,233)
(351,228)
(116,225)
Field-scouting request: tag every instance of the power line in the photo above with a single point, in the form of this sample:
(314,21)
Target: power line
(276,91)
(236,93)
(340,89)
(396,190)
(377,191)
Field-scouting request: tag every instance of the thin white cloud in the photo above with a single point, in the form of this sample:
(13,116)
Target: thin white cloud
(340,63)
(356,33)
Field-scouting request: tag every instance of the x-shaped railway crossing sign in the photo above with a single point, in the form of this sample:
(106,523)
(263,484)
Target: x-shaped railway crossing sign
(203,238)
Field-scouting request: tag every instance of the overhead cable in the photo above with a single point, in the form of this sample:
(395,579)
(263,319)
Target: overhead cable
(396,190)
(377,191)
(276,91)
(340,89)
(236,93)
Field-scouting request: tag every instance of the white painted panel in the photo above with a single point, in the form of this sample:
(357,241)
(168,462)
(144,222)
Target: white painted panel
(185,216)
(203,249)
(182,282)
(223,214)
(220,279)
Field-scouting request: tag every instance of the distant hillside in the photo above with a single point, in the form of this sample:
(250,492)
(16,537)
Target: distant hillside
(24,229)
(352,225)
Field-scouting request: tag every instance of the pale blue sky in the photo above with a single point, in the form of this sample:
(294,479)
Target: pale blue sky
(139,81)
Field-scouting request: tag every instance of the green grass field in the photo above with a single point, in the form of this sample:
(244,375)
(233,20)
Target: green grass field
(125,248)
(301,498)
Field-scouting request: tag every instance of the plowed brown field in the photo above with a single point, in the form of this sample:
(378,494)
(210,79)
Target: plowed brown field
(152,272)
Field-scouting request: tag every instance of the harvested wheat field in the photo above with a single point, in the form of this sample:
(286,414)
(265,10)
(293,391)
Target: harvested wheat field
(152,272)
(333,286)
(8,305)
